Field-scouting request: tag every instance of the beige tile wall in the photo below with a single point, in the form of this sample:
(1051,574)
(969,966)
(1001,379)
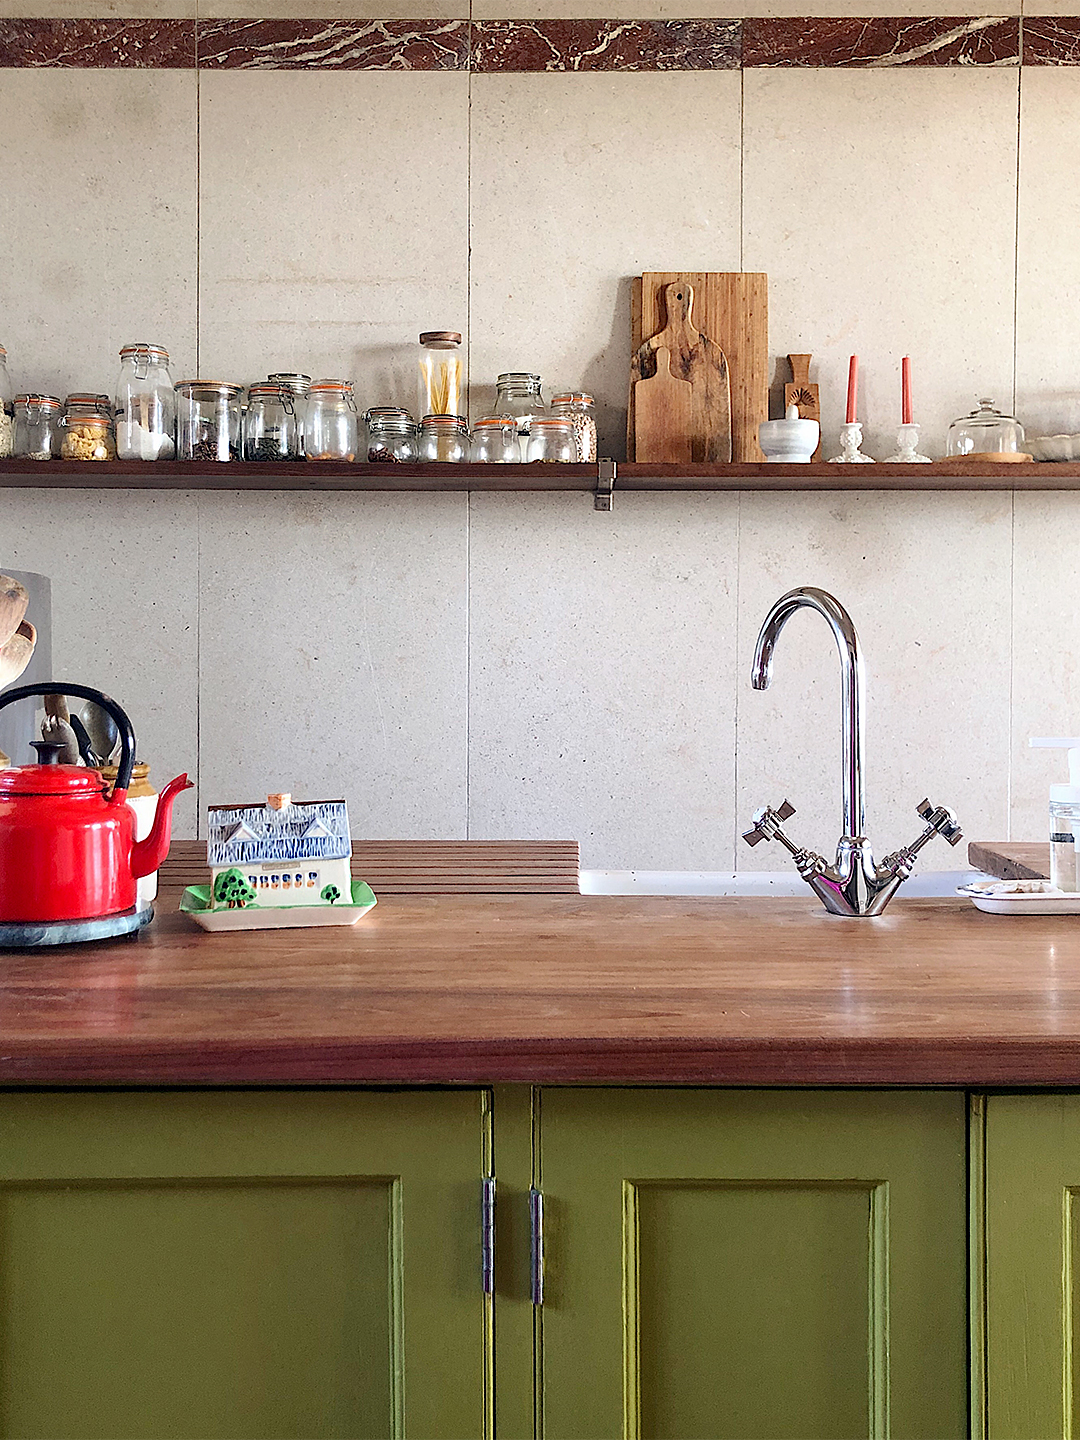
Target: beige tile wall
(525,665)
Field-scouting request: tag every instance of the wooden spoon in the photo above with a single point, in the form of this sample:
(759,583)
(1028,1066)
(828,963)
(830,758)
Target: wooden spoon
(13,602)
(15,655)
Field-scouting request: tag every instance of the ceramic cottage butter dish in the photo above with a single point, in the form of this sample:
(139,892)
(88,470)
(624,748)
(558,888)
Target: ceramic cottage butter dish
(285,863)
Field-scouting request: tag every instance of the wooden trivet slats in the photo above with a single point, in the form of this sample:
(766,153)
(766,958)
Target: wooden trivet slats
(430,867)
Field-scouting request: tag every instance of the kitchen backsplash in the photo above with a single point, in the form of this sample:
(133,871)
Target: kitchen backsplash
(521,665)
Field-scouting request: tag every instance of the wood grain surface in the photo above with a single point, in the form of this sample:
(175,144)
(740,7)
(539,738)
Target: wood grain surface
(428,867)
(560,989)
(1011,859)
(665,421)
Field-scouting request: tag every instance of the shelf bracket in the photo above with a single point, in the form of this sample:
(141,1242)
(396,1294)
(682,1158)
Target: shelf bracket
(605,484)
(487,1235)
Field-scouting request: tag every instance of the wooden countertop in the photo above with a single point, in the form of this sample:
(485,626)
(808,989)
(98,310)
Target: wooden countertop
(555,988)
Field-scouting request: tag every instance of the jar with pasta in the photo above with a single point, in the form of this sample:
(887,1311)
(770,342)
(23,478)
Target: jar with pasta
(87,428)
(7,409)
(442,374)
(577,407)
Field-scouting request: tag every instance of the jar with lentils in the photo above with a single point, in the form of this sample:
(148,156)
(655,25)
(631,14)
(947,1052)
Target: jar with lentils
(208,420)
(577,407)
(391,436)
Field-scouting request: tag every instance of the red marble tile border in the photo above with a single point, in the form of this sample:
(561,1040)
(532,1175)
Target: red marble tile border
(97,44)
(333,45)
(501,46)
(508,46)
(1052,40)
(883,41)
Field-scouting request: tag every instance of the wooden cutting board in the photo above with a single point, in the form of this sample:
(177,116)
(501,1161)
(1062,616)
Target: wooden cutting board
(799,391)
(680,426)
(732,309)
(663,414)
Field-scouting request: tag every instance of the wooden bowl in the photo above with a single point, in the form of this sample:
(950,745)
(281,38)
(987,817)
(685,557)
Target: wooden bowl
(985,457)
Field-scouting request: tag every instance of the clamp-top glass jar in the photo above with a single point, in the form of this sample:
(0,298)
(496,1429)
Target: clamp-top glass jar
(273,425)
(577,407)
(552,439)
(208,420)
(300,386)
(495,441)
(331,428)
(517,393)
(37,426)
(87,428)
(985,431)
(391,436)
(7,409)
(443,437)
(145,405)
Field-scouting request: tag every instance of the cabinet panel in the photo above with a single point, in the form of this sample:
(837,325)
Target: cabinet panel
(241,1265)
(742,1265)
(1032,1269)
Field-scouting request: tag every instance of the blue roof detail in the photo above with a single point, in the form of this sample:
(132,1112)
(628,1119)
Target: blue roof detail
(256,834)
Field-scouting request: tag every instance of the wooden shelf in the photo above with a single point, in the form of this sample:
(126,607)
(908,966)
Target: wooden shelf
(317,475)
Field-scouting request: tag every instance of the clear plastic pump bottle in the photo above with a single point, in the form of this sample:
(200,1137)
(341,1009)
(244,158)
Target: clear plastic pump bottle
(1064,816)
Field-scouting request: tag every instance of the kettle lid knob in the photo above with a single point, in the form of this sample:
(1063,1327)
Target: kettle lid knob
(48,751)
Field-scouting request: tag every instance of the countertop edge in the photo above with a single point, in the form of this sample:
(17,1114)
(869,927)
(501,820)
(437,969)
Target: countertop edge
(960,1063)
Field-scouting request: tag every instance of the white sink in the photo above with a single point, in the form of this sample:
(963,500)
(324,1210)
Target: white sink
(778,883)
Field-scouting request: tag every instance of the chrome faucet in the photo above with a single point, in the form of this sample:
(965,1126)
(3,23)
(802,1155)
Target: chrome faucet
(854,885)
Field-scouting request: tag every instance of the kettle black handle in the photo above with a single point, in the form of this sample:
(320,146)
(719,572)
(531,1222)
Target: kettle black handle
(107,703)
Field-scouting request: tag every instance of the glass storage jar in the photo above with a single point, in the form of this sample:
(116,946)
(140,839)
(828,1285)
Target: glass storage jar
(495,441)
(37,426)
(443,437)
(300,385)
(272,424)
(87,432)
(985,431)
(145,405)
(7,409)
(517,393)
(441,374)
(331,428)
(552,439)
(577,407)
(391,436)
(208,420)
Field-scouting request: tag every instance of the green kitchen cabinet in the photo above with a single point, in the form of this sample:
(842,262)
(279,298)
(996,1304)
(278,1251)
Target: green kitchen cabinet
(1031,1277)
(725,1265)
(243,1265)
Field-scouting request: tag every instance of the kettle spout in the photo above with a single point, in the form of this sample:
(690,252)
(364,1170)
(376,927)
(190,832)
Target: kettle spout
(147,855)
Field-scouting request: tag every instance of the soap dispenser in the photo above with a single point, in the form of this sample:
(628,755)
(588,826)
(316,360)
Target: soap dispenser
(1064,816)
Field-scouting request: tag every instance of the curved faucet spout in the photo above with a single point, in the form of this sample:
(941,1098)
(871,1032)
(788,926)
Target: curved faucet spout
(852,685)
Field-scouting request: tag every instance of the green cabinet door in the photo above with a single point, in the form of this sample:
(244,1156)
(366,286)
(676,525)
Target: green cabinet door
(1032,1278)
(242,1265)
(726,1265)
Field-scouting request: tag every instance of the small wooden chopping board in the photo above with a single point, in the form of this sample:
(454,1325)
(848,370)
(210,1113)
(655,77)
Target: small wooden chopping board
(663,413)
(799,391)
(694,361)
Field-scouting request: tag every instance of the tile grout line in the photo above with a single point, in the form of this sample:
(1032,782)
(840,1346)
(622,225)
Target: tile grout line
(198,496)
(738,660)
(1012,497)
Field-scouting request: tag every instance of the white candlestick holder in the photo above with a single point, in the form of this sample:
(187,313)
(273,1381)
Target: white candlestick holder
(850,440)
(907,439)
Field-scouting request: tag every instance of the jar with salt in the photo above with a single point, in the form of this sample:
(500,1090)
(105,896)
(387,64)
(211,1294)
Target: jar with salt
(577,407)
(7,409)
(145,405)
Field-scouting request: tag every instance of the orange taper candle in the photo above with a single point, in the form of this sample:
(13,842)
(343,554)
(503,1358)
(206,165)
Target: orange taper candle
(905,389)
(852,388)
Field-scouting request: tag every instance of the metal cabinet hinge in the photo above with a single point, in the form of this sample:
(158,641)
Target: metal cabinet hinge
(605,484)
(487,1234)
(536,1245)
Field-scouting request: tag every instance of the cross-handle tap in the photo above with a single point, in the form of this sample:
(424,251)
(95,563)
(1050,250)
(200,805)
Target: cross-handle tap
(766,826)
(940,820)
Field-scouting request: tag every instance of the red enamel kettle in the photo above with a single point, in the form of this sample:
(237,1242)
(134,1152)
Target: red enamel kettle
(67,846)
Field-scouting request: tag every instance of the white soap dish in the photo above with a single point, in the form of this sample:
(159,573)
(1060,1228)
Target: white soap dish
(1021,897)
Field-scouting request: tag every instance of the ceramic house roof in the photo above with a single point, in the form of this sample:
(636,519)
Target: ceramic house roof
(258,834)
